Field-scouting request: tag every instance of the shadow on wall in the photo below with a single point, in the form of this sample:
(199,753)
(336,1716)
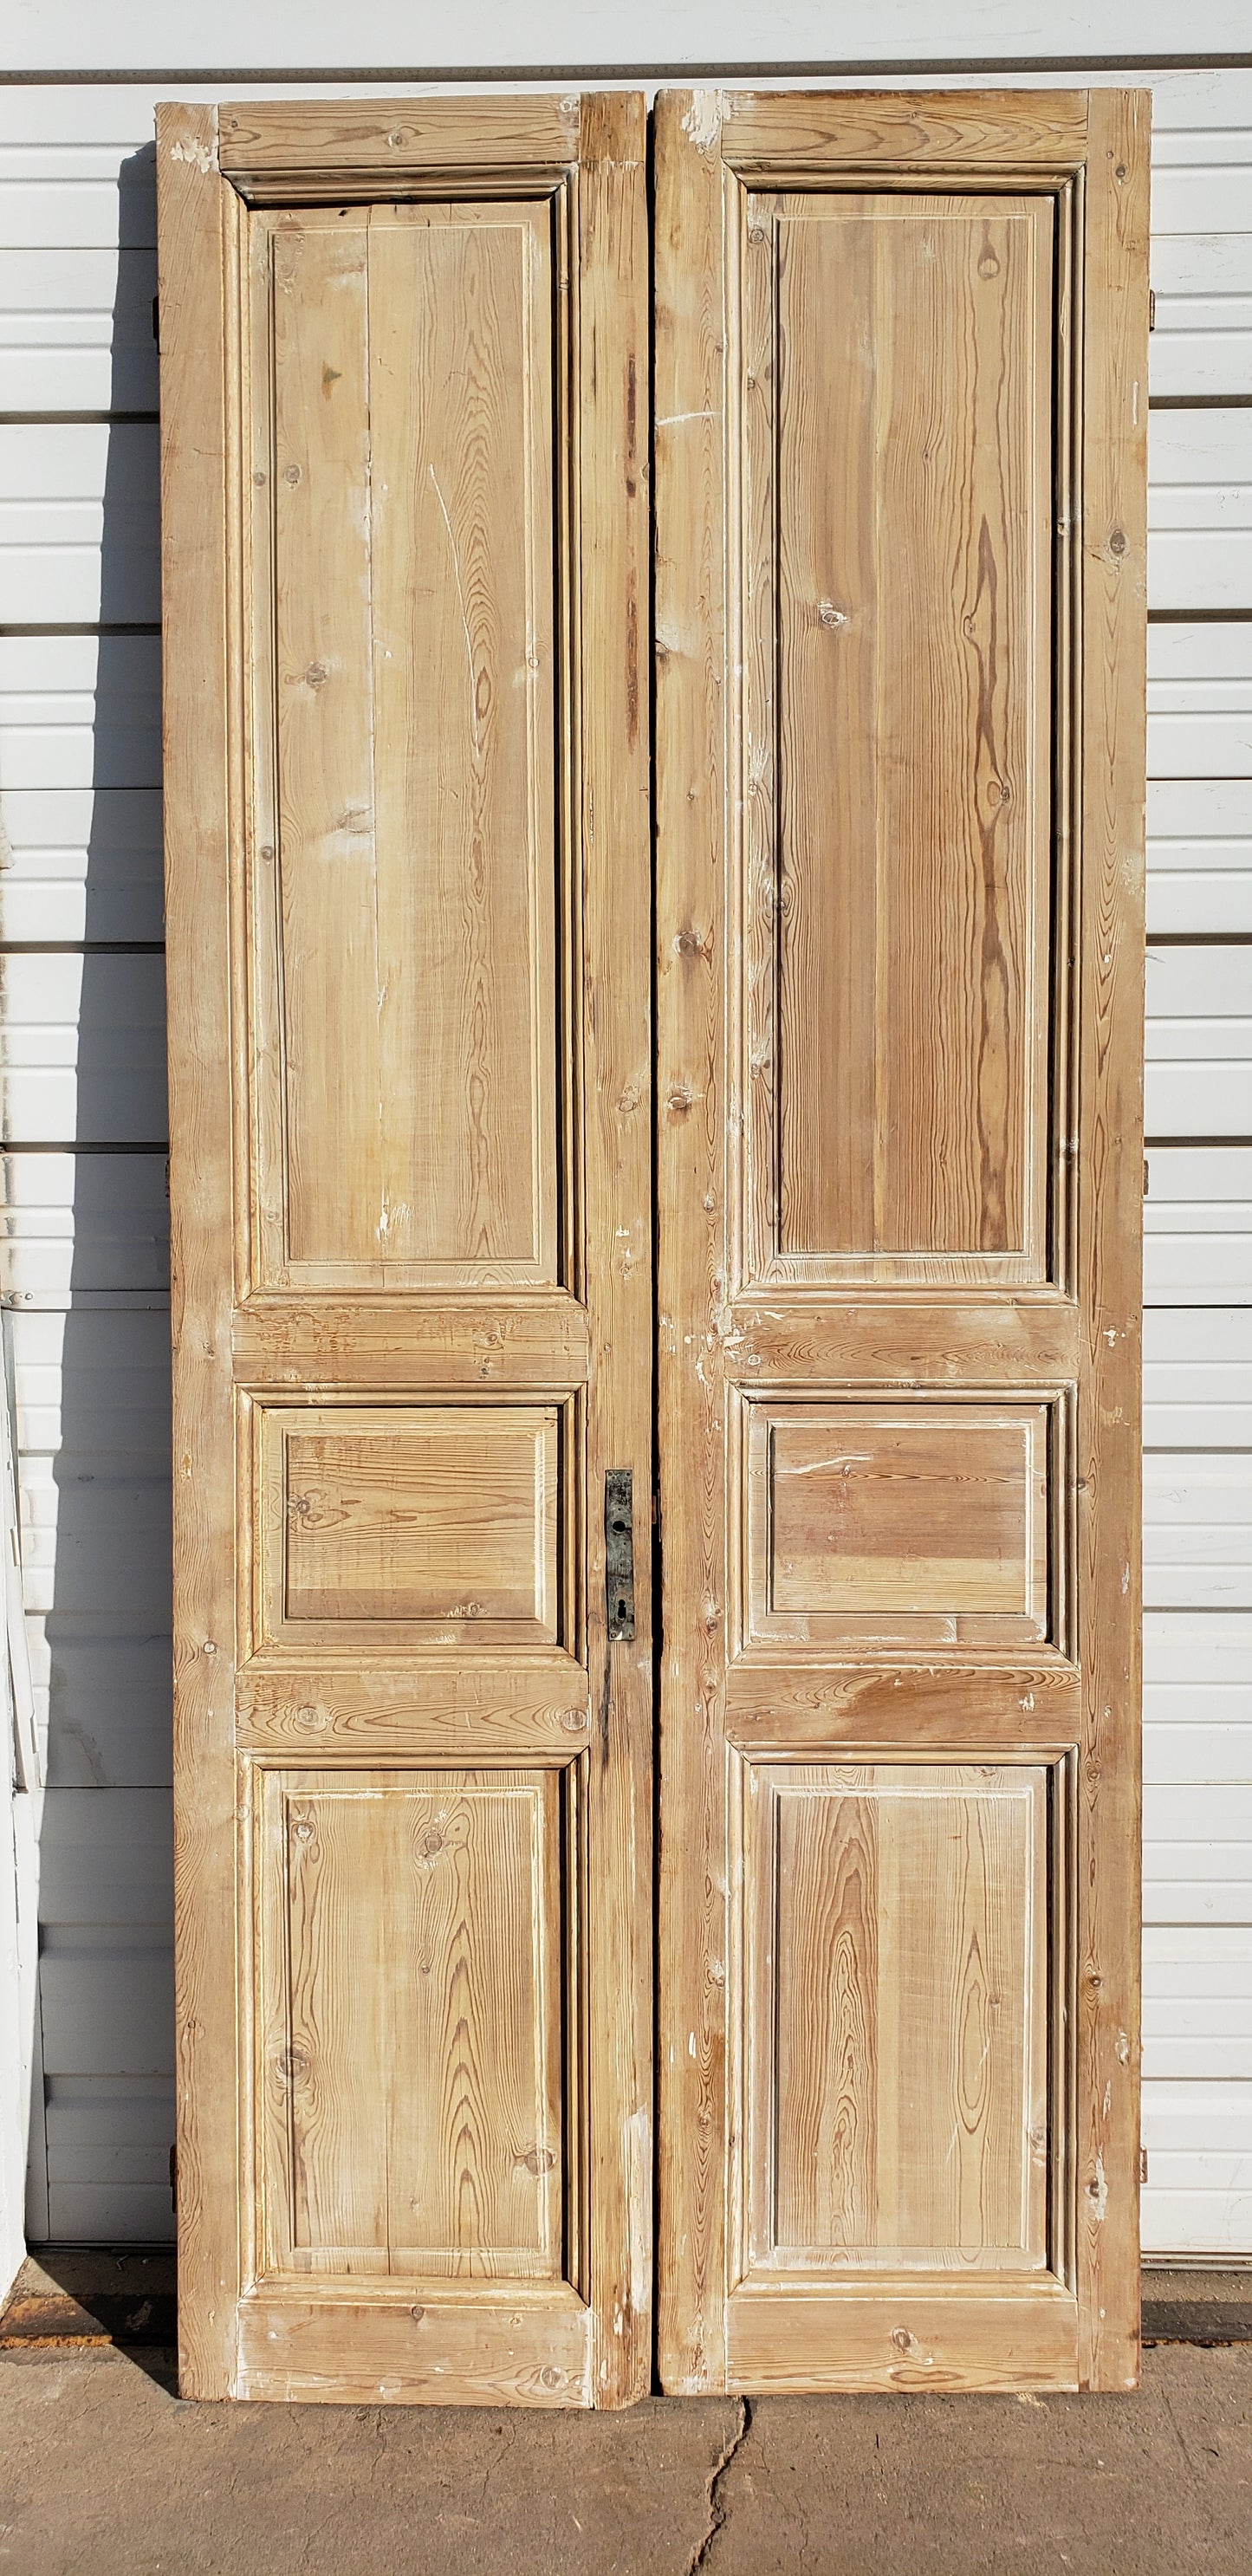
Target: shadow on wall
(106,1989)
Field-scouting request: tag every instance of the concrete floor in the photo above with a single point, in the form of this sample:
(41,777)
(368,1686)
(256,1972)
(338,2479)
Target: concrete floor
(104,2473)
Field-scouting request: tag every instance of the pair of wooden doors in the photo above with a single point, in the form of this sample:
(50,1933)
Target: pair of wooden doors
(805,1159)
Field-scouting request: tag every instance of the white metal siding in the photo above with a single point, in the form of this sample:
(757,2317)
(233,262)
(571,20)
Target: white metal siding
(82,1064)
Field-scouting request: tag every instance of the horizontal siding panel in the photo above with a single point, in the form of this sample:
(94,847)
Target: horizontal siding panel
(86,1049)
(1200,509)
(1197,1249)
(103,1701)
(1181,1648)
(79,525)
(1198,1079)
(1199,768)
(1194,1883)
(82,862)
(1199,851)
(107,1999)
(79,711)
(109,2140)
(1197,1371)
(94,1384)
(64,196)
(76,330)
(107,1857)
(1210,2118)
(1198,2134)
(1190,1814)
(1199,1752)
(93,1537)
(83,1222)
(1197,1531)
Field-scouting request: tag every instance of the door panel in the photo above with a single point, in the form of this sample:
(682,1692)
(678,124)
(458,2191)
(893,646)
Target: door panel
(896,1939)
(404,381)
(896,506)
(405,407)
(901,402)
(411,2068)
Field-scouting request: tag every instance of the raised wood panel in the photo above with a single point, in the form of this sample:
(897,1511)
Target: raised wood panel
(405,872)
(898,501)
(897,2039)
(410,1525)
(924,1525)
(410,2074)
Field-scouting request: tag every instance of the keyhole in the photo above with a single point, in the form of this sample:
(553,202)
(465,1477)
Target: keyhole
(621,1609)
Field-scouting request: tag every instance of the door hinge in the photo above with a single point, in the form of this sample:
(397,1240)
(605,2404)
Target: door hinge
(619,1552)
(156,319)
(174,2180)
(1146,1171)
(1143,2164)
(1151,308)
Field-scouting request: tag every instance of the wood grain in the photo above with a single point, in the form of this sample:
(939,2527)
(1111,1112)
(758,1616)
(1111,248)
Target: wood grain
(1108,1270)
(523,2349)
(306,147)
(691,649)
(904,2338)
(410,2066)
(909,612)
(922,1520)
(896,135)
(609,260)
(898,2036)
(195,464)
(410,1526)
(403,546)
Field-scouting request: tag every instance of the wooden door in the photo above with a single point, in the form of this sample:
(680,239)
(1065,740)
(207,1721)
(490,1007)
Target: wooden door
(404,380)
(901,405)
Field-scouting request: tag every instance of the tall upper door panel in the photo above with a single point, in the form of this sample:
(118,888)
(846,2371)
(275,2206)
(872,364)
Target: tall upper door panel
(901,411)
(404,414)
(897,531)
(404,380)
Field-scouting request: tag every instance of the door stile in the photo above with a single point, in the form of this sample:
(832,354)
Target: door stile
(692,816)
(616,1008)
(1109,1251)
(198,674)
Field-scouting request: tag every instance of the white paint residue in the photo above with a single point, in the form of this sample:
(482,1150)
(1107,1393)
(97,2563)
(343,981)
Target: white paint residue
(703,120)
(1099,2193)
(675,419)
(201,155)
(469,646)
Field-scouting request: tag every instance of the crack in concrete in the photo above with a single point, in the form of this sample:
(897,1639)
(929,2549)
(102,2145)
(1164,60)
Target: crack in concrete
(715,2505)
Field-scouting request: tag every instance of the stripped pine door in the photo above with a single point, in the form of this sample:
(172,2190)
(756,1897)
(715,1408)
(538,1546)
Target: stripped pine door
(901,408)
(404,406)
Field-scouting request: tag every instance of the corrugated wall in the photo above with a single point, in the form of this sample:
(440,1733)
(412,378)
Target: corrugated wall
(85,1288)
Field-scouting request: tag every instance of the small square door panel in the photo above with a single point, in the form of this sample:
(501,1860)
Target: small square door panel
(409,1526)
(897,1945)
(900,1525)
(410,1981)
